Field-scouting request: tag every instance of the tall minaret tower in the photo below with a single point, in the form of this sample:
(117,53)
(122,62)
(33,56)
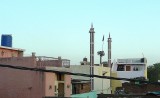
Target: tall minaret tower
(109,50)
(91,31)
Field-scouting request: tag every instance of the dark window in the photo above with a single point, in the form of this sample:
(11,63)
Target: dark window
(120,68)
(128,68)
(136,69)
(81,86)
(60,77)
(142,60)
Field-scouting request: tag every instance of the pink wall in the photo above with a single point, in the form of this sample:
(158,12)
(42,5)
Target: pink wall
(10,53)
(50,84)
(67,85)
(51,79)
(16,83)
(20,84)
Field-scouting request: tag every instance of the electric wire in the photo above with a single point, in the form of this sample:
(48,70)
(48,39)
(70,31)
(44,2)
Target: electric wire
(77,74)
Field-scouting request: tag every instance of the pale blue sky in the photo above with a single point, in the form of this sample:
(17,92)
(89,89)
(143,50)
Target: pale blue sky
(60,27)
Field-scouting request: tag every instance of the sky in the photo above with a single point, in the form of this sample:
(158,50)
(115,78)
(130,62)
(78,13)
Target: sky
(61,27)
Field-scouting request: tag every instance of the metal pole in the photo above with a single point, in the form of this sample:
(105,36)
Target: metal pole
(102,85)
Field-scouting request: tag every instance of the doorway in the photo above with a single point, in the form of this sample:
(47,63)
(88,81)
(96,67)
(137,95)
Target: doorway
(60,89)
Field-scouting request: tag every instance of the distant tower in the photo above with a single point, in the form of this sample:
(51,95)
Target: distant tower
(109,50)
(91,31)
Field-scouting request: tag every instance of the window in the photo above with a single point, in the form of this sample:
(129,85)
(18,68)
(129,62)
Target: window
(128,68)
(135,68)
(60,77)
(120,68)
(81,86)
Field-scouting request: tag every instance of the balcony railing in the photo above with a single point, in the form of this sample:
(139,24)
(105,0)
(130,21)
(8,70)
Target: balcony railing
(131,61)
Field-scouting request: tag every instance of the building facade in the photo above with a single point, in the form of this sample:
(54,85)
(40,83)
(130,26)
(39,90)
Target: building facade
(128,68)
(10,52)
(80,84)
(100,85)
(16,83)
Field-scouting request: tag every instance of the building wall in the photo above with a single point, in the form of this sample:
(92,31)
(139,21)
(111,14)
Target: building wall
(97,81)
(82,81)
(50,79)
(51,63)
(133,63)
(4,52)
(145,73)
(68,86)
(20,84)
(129,74)
(16,83)
(80,69)
(115,83)
(51,85)
(100,83)
(19,61)
(79,88)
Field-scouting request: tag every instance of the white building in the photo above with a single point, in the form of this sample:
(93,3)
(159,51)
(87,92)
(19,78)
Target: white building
(128,68)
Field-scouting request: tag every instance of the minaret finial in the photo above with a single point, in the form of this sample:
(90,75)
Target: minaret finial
(91,25)
(109,34)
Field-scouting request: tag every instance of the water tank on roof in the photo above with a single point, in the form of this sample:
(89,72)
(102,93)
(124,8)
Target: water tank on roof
(85,59)
(6,40)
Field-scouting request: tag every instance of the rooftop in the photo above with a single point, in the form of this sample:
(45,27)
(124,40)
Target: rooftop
(10,48)
(132,61)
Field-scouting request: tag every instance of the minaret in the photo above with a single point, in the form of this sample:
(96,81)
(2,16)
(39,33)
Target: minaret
(91,31)
(109,50)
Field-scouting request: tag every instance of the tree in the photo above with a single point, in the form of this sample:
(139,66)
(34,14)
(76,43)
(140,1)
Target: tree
(101,54)
(153,72)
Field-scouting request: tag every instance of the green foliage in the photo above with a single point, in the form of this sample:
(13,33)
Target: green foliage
(153,72)
(138,80)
